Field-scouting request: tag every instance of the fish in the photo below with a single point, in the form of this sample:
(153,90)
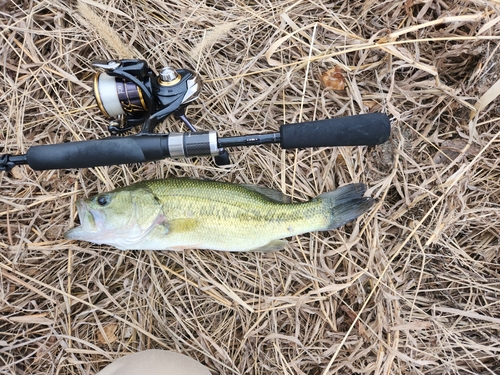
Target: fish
(183,213)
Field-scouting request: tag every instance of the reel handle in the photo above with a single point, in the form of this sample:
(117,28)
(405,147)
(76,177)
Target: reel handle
(121,150)
(93,153)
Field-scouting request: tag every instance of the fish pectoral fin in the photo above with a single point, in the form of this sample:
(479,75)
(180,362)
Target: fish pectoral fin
(271,247)
(181,225)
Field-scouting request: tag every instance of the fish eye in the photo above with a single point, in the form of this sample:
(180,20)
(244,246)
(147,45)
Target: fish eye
(103,200)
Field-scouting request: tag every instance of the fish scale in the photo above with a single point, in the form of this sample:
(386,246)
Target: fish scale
(233,202)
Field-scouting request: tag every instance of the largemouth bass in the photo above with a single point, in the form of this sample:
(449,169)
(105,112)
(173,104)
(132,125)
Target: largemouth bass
(176,213)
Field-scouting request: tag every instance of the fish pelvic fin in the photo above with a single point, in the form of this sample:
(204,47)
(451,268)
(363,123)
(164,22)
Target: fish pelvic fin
(346,203)
(271,247)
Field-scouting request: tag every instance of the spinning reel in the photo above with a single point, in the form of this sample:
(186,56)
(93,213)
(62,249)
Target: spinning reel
(129,92)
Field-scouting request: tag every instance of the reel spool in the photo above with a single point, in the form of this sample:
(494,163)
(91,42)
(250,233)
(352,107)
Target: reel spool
(115,96)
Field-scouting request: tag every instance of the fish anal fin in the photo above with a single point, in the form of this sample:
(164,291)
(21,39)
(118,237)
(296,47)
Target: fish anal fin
(271,247)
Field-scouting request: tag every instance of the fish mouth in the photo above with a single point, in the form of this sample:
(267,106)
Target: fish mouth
(91,221)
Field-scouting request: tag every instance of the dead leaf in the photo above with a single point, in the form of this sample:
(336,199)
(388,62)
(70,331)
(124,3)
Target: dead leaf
(17,174)
(370,104)
(352,316)
(451,149)
(486,98)
(108,337)
(334,79)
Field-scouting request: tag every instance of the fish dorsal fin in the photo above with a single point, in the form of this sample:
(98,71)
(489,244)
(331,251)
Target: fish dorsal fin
(271,247)
(274,195)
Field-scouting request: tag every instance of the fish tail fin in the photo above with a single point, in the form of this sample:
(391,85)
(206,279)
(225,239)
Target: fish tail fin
(345,204)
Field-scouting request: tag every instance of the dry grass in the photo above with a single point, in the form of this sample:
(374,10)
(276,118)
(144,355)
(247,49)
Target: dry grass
(412,288)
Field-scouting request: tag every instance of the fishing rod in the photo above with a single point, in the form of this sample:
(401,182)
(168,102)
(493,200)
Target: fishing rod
(130,93)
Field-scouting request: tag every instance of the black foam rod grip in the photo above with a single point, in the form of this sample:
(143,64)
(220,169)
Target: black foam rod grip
(106,151)
(359,130)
